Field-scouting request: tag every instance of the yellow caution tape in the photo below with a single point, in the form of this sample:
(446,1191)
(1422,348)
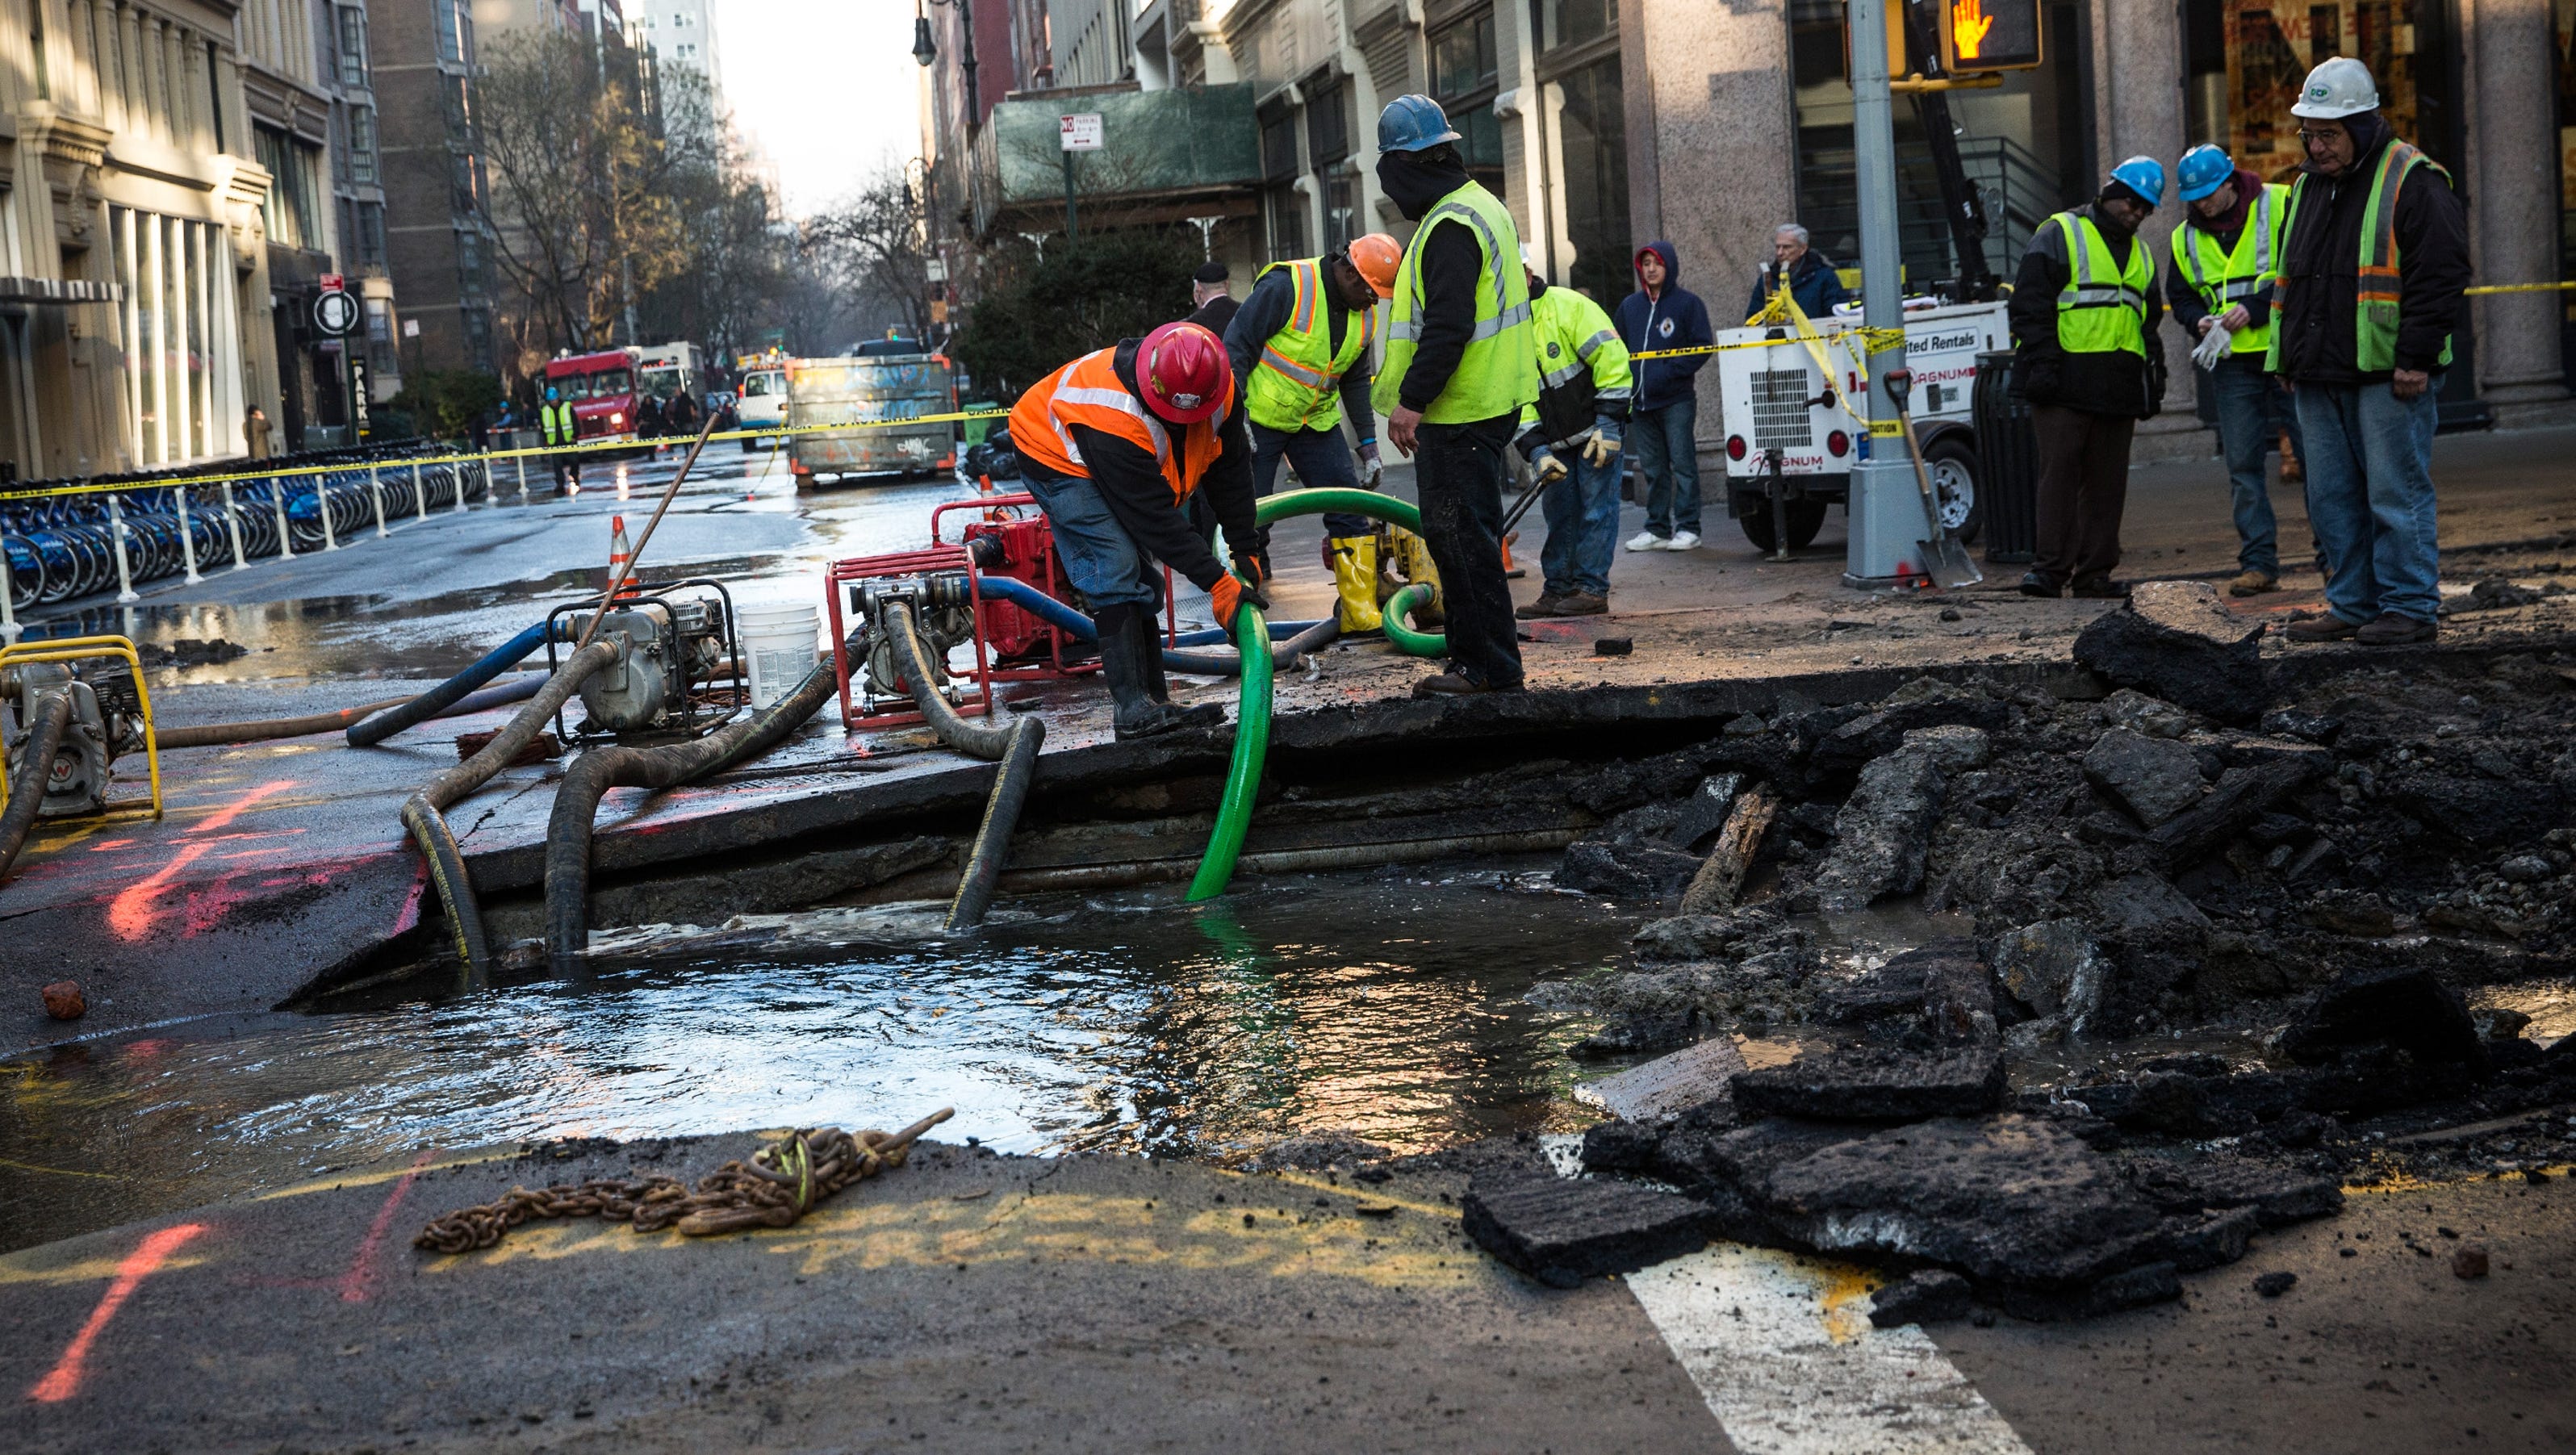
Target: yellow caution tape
(404,462)
(1874,339)
(2520,287)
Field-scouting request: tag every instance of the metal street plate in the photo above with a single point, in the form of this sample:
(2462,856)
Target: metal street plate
(335,314)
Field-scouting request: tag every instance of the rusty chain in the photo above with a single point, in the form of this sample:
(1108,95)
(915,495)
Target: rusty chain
(781,1183)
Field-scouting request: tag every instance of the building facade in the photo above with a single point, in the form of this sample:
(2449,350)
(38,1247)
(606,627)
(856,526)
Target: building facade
(437,229)
(1604,124)
(682,33)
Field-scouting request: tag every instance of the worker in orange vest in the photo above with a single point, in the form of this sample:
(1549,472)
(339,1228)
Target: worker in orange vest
(1114,445)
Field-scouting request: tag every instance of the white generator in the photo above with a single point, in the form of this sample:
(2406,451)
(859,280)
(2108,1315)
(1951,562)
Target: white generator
(1791,436)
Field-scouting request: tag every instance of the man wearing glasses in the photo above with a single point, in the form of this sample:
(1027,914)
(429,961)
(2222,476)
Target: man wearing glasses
(2372,269)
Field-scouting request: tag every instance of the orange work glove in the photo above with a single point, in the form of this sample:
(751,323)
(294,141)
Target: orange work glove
(1228,596)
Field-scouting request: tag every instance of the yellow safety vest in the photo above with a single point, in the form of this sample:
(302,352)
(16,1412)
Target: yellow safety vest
(2376,310)
(1499,371)
(1295,383)
(1574,338)
(556,418)
(2103,306)
(2225,278)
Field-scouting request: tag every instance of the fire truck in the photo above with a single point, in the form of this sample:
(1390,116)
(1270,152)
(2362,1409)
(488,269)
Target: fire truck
(601,388)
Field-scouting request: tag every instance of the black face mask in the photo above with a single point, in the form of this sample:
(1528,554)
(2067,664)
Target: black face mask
(1415,184)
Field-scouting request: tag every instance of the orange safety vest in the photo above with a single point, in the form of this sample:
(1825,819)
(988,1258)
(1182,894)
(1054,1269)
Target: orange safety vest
(1087,392)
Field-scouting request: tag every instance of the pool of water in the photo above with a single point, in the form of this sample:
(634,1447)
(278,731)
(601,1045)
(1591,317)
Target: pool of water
(1386,1005)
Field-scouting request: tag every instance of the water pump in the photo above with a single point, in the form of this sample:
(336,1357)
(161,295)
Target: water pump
(680,675)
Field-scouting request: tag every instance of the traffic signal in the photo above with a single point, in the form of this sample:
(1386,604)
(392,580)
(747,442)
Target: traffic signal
(1988,35)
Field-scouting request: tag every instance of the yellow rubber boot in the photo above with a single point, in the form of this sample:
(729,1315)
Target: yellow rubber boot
(1355,581)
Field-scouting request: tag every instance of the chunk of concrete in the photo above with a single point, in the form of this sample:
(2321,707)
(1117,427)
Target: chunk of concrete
(2055,969)
(1668,1085)
(2138,713)
(2407,1008)
(1925,1296)
(2241,795)
(1874,1084)
(1562,1231)
(2142,904)
(1706,811)
(2175,640)
(2154,778)
(1883,828)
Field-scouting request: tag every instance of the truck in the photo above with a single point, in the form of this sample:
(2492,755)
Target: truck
(668,369)
(872,394)
(762,402)
(1793,434)
(601,388)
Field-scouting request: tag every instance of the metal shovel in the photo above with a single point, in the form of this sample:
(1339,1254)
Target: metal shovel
(1944,559)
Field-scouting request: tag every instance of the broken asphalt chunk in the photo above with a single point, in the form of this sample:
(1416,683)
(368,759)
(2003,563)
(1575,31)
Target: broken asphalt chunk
(1925,1296)
(2176,641)
(1562,1231)
(1875,1084)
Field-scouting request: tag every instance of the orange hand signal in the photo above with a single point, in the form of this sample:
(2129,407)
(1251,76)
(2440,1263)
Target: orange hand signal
(1968,26)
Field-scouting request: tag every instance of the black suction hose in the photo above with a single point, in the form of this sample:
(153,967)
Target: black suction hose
(1016,746)
(424,812)
(53,718)
(206,735)
(592,774)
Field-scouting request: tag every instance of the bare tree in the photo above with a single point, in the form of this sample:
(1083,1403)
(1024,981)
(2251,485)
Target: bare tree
(878,241)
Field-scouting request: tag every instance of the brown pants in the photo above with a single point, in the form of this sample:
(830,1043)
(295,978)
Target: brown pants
(2083,487)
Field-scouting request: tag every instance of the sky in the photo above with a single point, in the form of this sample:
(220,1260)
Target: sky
(828,89)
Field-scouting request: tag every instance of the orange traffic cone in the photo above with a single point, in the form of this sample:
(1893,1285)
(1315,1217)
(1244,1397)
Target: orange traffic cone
(621,555)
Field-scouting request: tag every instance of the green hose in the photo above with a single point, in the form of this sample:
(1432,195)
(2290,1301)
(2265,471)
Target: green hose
(1252,715)
(1421,644)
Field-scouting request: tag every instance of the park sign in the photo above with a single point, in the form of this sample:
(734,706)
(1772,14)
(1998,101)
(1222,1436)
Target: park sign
(1080,131)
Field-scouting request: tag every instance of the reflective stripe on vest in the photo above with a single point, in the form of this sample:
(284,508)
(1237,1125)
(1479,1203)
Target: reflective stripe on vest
(1498,372)
(2103,306)
(2377,300)
(2223,280)
(1293,382)
(1087,392)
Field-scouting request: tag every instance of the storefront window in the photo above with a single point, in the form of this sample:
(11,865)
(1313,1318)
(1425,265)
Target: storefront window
(1462,81)
(2249,58)
(1593,168)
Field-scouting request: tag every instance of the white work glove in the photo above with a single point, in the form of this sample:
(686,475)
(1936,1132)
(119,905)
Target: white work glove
(1550,469)
(1370,465)
(2214,346)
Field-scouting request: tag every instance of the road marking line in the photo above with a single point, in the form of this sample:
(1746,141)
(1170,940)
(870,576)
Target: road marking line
(58,1171)
(1782,1349)
(147,1258)
(353,1285)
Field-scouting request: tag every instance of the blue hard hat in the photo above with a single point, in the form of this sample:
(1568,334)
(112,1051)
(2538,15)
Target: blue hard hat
(550,392)
(1412,123)
(2203,170)
(2144,176)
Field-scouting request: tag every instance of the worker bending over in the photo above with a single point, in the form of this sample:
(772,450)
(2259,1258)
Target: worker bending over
(1301,344)
(1114,445)
(1458,368)
(1583,383)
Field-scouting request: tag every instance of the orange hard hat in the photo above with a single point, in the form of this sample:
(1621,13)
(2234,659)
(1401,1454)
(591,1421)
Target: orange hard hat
(1183,371)
(1375,257)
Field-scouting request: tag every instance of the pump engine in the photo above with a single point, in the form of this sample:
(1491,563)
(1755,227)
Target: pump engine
(681,671)
(107,719)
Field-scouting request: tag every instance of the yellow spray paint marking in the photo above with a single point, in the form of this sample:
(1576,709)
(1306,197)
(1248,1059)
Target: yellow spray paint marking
(58,1171)
(27,1267)
(1840,1299)
(2406,1182)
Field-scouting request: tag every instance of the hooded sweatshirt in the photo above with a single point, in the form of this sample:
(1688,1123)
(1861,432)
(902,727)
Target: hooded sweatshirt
(1676,320)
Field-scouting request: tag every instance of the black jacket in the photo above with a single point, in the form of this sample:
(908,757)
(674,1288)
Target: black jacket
(2118,382)
(1131,480)
(2321,274)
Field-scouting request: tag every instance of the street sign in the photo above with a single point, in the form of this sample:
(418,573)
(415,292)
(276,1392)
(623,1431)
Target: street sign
(1989,35)
(1079,132)
(334,283)
(411,328)
(335,314)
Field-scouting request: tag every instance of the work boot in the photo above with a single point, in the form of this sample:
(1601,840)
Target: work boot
(1454,683)
(1125,666)
(2393,630)
(2043,587)
(2326,628)
(1205,714)
(1582,603)
(2098,588)
(1354,562)
(1541,609)
(2250,582)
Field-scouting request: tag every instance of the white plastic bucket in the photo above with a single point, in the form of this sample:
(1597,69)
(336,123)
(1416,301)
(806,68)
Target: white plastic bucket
(778,647)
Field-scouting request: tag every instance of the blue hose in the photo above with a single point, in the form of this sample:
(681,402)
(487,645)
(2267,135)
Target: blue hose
(445,695)
(1064,618)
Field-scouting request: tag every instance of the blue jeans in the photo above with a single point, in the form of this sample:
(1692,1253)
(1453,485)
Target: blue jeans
(1099,556)
(1582,513)
(2252,407)
(2370,495)
(1669,459)
(1323,463)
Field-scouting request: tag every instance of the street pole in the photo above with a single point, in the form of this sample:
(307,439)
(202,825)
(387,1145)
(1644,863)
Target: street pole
(1886,509)
(1068,195)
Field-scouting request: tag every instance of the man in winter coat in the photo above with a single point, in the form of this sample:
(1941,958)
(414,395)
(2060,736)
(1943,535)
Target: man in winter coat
(2225,256)
(2371,278)
(1809,274)
(1664,413)
(2084,312)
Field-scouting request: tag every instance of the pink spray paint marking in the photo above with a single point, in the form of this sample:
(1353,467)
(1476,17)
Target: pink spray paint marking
(355,1284)
(131,914)
(65,1379)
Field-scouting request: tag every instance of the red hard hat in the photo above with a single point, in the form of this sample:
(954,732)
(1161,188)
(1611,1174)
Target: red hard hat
(1182,370)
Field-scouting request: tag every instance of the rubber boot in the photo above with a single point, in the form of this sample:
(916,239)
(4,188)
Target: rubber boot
(1124,666)
(1416,553)
(1205,714)
(1355,580)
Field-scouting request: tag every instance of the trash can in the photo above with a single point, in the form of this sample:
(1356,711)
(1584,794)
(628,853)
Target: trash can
(2007,461)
